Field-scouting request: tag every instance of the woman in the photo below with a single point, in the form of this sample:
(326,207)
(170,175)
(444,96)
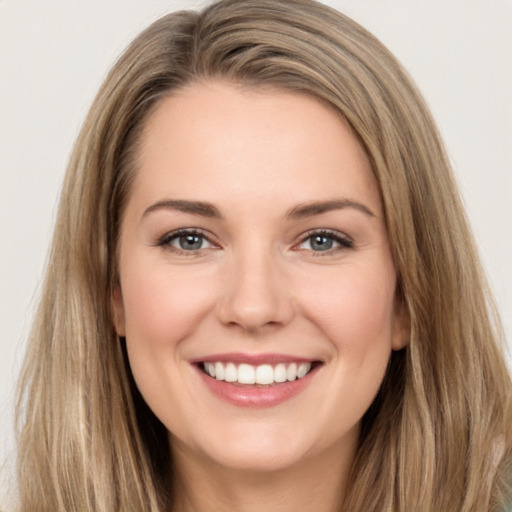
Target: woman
(262,292)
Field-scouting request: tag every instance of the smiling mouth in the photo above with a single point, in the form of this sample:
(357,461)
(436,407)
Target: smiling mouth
(260,375)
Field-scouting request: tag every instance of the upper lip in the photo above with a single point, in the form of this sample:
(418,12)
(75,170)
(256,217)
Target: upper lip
(252,359)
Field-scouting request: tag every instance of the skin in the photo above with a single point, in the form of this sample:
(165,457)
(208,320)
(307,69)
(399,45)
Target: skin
(256,285)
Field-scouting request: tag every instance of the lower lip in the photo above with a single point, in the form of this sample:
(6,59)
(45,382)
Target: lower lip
(256,397)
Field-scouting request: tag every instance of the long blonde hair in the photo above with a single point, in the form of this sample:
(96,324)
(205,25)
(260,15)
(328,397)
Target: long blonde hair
(438,436)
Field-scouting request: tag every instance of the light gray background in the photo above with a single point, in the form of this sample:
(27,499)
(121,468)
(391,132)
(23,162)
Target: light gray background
(55,53)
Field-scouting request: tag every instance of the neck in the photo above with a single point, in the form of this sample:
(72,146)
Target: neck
(317,483)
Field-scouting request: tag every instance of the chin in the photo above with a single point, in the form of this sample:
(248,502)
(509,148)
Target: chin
(254,459)
(258,447)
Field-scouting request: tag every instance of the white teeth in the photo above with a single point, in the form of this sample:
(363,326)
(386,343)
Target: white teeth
(246,374)
(280,373)
(302,370)
(264,374)
(219,371)
(231,374)
(291,373)
(210,368)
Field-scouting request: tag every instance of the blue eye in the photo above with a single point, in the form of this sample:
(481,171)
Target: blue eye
(189,242)
(185,240)
(321,242)
(325,241)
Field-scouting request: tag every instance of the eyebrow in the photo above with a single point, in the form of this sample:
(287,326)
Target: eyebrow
(200,208)
(300,211)
(318,207)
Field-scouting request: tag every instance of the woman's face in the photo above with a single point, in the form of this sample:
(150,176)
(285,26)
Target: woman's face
(257,289)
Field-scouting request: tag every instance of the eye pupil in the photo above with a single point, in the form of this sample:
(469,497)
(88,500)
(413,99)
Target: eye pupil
(190,242)
(321,243)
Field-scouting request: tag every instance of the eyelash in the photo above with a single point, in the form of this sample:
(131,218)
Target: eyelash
(343,241)
(165,241)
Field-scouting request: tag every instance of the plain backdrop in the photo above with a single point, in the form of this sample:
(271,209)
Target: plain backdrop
(55,53)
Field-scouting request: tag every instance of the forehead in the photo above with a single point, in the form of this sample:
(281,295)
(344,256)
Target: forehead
(221,140)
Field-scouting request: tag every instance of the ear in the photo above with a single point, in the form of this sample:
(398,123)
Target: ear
(401,325)
(118,311)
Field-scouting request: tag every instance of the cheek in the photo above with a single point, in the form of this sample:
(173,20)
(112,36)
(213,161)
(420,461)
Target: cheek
(164,306)
(355,308)
(356,315)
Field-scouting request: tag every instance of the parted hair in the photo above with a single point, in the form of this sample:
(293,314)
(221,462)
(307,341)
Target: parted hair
(438,435)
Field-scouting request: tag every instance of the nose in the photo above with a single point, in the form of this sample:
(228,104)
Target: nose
(255,296)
